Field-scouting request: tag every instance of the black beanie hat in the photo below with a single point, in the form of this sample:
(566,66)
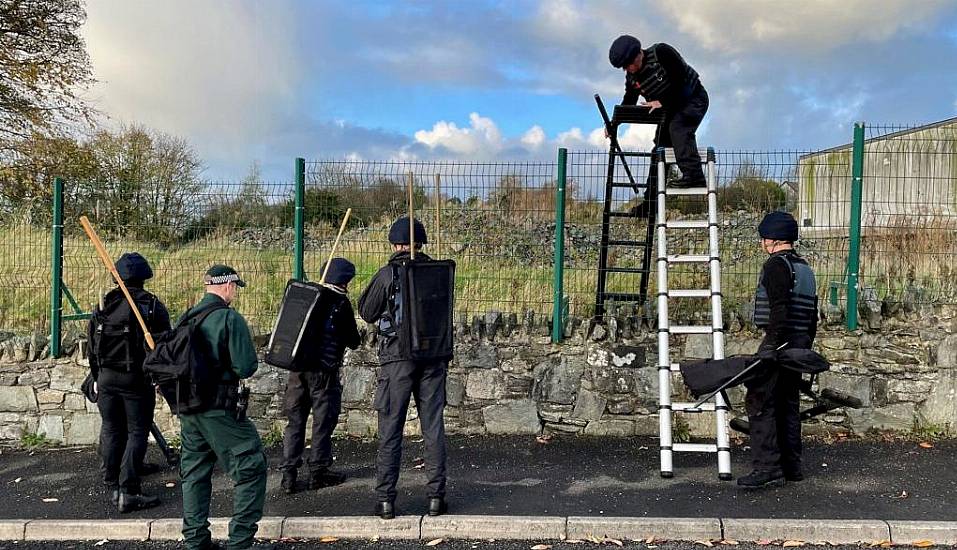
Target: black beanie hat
(779,226)
(340,272)
(399,232)
(623,51)
(131,266)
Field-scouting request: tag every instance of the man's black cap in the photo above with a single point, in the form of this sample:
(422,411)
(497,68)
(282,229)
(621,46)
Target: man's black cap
(132,266)
(221,274)
(623,51)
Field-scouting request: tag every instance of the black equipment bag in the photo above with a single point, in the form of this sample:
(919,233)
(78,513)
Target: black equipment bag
(118,342)
(298,303)
(427,293)
(708,375)
(181,368)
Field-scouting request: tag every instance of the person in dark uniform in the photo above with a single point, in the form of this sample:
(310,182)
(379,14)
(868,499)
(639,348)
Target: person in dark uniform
(666,81)
(401,378)
(315,384)
(786,308)
(222,433)
(125,395)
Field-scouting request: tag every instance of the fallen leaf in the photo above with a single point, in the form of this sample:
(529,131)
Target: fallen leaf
(171,484)
(102,542)
(793,543)
(764,542)
(51,500)
(922,543)
(574,541)
(542,547)
(649,540)
(729,542)
(887,544)
(328,539)
(435,542)
(880,543)
(707,543)
(902,495)
(18,480)
(652,546)
(374,539)
(419,466)
(616,542)
(926,445)
(543,439)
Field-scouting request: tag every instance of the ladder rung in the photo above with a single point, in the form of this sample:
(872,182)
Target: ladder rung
(626,270)
(690,407)
(694,447)
(670,155)
(688,191)
(687,224)
(688,258)
(628,243)
(621,296)
(690,329)
(627,185)
(694,293)
(621,215)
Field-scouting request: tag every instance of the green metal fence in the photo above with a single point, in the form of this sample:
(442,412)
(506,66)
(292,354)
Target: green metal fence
(878,219)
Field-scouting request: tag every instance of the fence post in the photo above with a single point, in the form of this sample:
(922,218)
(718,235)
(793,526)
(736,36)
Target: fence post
(854,249)
(298,267)
(557,324)
(56,259)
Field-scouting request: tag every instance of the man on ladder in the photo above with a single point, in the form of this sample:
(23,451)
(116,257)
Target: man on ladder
(665,80)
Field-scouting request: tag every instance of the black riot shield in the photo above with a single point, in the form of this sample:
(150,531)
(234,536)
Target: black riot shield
(428,296)
(298,303)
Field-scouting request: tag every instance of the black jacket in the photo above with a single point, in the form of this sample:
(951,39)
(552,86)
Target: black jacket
(157,320)
(374,303)
(683,80)
(330,330)
(777,279)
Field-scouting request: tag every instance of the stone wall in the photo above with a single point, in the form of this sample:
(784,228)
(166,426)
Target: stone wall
(507,378)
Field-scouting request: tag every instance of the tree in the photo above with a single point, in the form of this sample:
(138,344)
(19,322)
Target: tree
(44,67)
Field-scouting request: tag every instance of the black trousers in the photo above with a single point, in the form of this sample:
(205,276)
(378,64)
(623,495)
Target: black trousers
(398,382)
(773,404)
(678,131)
(126,406)
(321,393)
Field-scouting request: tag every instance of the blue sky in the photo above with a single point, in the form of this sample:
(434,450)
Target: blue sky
(265,81)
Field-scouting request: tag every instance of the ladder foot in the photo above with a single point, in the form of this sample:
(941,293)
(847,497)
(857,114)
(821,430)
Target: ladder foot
(725,477)
(667,475)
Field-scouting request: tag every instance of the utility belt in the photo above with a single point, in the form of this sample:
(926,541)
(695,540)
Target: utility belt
(232,398)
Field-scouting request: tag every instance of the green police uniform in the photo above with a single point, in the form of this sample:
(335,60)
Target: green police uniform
(216,435)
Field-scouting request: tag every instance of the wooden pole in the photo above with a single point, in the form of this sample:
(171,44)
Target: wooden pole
(411,219)
(335,245)
(437,230)
(108,262)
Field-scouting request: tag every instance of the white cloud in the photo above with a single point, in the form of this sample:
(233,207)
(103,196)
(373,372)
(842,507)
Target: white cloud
(808,26)
(483,136)
(221,74)
(534,138)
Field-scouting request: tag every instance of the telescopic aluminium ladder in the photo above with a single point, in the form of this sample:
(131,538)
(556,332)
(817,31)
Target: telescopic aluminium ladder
(718,405)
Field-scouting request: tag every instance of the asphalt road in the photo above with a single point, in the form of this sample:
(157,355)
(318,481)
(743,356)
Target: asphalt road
(518,476)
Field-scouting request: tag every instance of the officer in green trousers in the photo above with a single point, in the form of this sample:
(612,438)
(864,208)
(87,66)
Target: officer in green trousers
(222,433)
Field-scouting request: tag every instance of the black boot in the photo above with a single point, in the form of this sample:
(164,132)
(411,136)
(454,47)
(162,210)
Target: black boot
(325,478)
(385,509)
(794,475)
(437,506)
(641,210)
(685,183)
(288,482)
(128,503)
(758,479)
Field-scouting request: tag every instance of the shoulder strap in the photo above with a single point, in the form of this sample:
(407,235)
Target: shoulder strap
(790,269)
(198,315)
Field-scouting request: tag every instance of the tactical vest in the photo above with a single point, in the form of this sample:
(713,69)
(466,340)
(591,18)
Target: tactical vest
(802,306)
(654,81)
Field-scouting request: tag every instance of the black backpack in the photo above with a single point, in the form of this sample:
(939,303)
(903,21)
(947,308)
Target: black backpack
(422,300)
(180,367)
(117,340)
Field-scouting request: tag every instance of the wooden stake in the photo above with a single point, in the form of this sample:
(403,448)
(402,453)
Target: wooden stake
(335,245)
(411,219)
(437,230)
(108,262)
